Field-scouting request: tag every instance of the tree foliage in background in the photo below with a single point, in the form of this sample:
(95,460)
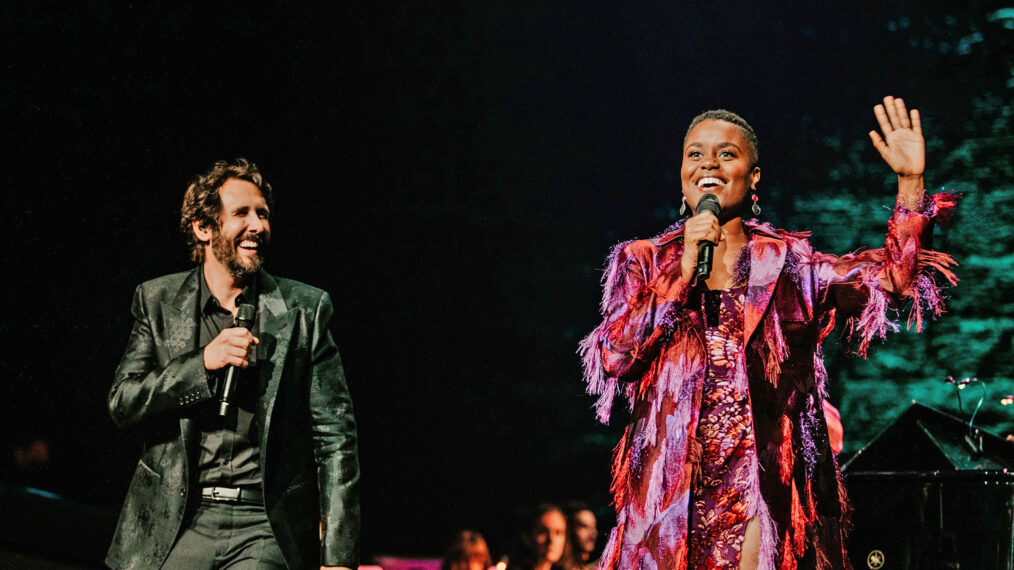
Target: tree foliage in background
(967,114)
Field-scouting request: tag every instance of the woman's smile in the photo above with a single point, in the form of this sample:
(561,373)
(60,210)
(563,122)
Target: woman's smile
(717,160)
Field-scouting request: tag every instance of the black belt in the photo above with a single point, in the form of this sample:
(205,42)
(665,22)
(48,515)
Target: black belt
(233,494)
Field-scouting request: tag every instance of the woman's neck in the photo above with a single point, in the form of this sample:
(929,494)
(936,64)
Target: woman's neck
(734,237)
(734,232)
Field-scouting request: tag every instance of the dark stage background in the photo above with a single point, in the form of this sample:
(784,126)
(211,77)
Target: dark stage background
(454,174)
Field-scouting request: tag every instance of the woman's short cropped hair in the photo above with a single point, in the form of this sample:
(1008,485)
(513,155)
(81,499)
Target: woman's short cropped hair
(729,117)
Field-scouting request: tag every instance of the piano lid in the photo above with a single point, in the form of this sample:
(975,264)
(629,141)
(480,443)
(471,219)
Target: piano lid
(924,439)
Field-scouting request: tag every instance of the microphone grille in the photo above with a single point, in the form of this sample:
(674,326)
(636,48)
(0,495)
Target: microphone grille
(245,315)
(709,203)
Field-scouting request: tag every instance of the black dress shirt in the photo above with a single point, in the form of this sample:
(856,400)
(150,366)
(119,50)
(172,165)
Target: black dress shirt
(230,446)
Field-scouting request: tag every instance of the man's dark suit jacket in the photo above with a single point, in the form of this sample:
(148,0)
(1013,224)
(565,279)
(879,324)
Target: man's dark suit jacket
(309,462)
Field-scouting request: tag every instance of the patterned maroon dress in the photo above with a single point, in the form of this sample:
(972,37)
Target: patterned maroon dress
(722,494)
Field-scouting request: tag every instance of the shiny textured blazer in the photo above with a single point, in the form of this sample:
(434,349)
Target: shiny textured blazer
(309,460)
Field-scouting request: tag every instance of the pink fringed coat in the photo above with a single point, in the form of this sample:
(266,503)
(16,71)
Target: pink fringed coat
(649,349)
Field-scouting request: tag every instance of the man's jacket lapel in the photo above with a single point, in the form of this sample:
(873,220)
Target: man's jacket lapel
(179,321)
(276,323)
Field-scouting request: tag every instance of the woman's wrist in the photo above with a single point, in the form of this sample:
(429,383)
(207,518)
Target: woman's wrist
(911,188)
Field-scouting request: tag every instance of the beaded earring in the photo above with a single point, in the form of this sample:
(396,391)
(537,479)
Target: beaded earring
(756,209)
(683,208)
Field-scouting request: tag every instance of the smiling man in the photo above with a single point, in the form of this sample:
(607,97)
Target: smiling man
(268,479)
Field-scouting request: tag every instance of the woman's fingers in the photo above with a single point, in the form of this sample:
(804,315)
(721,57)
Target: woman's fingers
(891,106)
(879,144)
(703,227)
(882,120)
(902,113)
(916,122)
(893,115)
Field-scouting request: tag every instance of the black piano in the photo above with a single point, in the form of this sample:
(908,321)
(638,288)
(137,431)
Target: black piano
(932,492)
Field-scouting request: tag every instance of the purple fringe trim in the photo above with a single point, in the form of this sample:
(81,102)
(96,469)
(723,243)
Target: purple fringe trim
(820,374)
(808,426)
(611,279)
(938,206)
(598,384)
(874,321)
(596,380)
(929,297)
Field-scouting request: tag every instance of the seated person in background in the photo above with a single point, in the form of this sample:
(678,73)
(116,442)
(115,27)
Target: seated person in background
(582,531)
(543,543)
(468,551)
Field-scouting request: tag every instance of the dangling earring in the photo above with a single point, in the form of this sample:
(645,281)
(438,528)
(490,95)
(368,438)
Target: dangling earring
(755,209)
(683,208)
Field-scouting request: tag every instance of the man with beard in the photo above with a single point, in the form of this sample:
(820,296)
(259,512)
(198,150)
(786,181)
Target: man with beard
(271,480)
(582,532)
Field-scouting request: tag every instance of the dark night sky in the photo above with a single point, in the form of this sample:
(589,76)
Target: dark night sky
(453,174)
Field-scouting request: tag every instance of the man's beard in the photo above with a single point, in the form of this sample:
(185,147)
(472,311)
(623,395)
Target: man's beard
(226,252)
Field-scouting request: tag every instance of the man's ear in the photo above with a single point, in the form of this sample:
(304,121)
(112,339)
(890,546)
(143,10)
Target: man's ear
(202,232)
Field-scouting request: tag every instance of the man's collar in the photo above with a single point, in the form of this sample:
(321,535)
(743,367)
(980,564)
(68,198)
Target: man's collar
(208,301)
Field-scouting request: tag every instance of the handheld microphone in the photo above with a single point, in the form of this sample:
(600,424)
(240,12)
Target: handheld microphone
(244,318)
(706,249)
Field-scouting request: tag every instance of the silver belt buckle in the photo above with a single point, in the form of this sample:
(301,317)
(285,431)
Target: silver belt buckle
(223,494)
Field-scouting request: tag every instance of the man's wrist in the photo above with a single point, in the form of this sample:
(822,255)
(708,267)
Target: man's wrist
(212,377)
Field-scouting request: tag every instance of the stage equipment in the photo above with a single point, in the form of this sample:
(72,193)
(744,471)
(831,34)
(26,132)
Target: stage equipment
(44,531)
(932,491)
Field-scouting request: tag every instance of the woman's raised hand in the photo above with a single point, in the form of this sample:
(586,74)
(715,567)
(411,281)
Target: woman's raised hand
(902,144)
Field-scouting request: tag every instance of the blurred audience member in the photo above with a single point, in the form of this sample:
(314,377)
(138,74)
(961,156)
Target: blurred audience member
(582,531)
(33,454)
(543,544)
(468,551)
(29,464)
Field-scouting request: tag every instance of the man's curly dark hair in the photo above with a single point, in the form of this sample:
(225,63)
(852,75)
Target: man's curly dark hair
(202,203)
